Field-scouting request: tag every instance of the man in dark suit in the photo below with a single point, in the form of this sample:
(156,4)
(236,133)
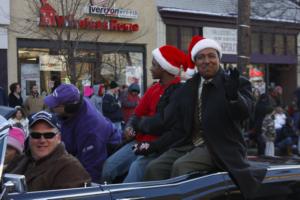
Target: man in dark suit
(207,135)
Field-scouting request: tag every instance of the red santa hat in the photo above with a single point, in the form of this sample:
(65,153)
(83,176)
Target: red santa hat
(170,58)
(190,70)
(199,43)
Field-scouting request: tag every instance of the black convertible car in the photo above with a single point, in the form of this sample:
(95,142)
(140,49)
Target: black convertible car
(282,182)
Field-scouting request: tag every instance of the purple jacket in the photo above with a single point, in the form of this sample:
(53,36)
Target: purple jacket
(86,136)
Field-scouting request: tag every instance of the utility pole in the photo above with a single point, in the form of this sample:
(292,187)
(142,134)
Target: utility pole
(244,34)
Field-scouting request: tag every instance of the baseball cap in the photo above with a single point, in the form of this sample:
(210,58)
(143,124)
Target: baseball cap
(64,93)
(50,118)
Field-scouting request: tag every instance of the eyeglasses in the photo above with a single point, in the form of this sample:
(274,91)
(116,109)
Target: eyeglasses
(46,135)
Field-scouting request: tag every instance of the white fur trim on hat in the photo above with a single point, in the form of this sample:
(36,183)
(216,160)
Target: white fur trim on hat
(164,63)
(190,72)
(203,44)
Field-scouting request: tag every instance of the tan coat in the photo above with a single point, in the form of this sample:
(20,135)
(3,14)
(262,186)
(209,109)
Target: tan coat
(34,104)
(56,171)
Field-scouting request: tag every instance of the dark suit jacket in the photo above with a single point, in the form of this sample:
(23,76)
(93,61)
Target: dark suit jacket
(221,121)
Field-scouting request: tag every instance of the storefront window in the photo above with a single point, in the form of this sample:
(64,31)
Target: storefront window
(291,44)
(279,44)
(267,43)
(29,59)
(171,35)
(186,35)
(125,68)
(85,54)
(255,43)
(41,67)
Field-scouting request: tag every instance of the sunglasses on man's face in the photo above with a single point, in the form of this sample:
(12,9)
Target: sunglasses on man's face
(46,135)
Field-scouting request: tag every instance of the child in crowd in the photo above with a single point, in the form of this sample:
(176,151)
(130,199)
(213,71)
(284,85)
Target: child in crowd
(20,117)
(268,131)
(15,144)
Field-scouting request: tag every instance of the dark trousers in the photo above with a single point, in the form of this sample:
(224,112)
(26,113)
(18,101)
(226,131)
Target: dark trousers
(179,161)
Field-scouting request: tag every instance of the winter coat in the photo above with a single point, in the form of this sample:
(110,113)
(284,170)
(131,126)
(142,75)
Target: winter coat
(221,129)
(58,170)
(86,136)
(34,104)
(129,102)
(149,105)
(111,108)
(268,128)
(97,101)
(13,101)
(261,109)
(159,124)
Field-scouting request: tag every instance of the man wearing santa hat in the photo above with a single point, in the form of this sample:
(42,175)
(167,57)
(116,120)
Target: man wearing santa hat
(207,135)
(166,65)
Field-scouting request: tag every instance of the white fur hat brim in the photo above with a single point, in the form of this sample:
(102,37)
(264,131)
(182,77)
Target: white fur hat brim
(164,63)
(190,72)
(203,44)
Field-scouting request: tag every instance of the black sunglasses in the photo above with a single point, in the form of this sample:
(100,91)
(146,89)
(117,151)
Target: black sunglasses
(46,135)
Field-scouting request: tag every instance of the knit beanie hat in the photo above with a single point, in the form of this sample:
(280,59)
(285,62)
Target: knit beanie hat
(134,87)
(16,138)
(113,85)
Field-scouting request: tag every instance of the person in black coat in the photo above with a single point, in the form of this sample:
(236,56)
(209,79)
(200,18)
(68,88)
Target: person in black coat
(14,97)
(260,111)
(207,136)
(111,105)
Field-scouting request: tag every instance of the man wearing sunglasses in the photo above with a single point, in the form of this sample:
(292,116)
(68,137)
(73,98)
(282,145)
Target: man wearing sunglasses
(46,164)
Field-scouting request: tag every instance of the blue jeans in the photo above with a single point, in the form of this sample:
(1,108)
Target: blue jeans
(285,143)
(118,163)
(138,167)
(118,127)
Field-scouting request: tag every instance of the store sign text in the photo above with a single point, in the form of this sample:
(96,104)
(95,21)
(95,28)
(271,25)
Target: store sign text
(226,37)
(87,23)
(50,18)
(112,12)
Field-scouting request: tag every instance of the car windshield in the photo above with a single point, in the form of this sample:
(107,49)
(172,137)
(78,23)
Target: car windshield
(7,112)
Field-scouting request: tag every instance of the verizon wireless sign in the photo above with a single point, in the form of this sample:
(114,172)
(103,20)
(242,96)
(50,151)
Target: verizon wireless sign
(49,17)
(112,12)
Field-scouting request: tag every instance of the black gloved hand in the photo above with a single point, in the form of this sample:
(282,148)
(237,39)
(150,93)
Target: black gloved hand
(133,122)
(232,82)
(143,148)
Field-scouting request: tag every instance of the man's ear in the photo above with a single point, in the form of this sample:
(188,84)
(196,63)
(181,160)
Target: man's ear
(59,137)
